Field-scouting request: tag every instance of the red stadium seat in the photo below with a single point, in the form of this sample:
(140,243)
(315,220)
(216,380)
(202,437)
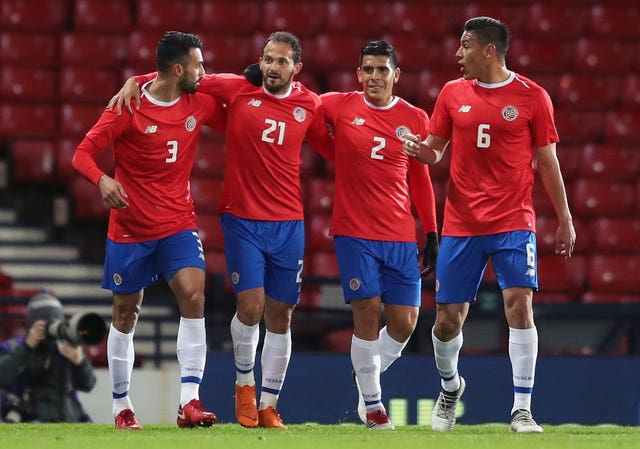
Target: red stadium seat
(28,49)
(631,92)
(91,85)
(429,85)
(541,202)
(33,160)
(210,231)
(318,227)
(319,196)
(540,56)
(616,21)
(65,151)
(210,158)
(557,21)
(141,50)
(612,162)
(28,84)
(569,157)
(609,298)
(305,19)
(30,15)
(205,193)
(614,274)
(93,50)
(585,91)
(322,264)
(337,52)
(78,118)
(600,55)
(622,127)
(576,126)
(546,227)
(88,204)
(516,14)
(167,15)
(343,81)
(616,235)
(312,162)
(424,19)
(114,16)
(559,275)
(237,17)
(338,340)
(415,54)
(407,87)
(310,295)
(216,263)
(592,198)
(226,53)
(542,297)
(354,18)
(27,120)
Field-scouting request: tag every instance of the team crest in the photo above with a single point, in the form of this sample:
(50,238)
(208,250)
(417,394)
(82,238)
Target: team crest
(354,284)
(509,113)
(300,114)
(191,123)
(402,131)
(117,279)
(235,278)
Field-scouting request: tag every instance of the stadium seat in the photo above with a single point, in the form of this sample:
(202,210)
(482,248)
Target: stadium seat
(559,275)
(622,127)
(216,263)
(240,17)
(319,196)
(354,18)
(548,81)
(310,295)
(575,126)
(305,19)
(615,21)
(415,54)
(93,50)
(541,202)
(88,204)
(312,162)
(318,227)
(114,16)
(29,49)
(529,56)
(78,118)
(19,120)
(343,81)
(226,53)
(90,85)
(516,14)
(429,85)
(336,52)
(610,162)
(614,273)
(592,198)
(141,50)
(28,84)
(616,235)
(210,158)
(33,160)
(590,297)
(30,15)
(544,297)
(66,147)
(338,340)
(602,55)
(570,157)
(556,20)
(167,15)
(322,265)
(586,91)
(407,87)
(631,92)
(546,227)
(205,193)
(424,19)
(210,231)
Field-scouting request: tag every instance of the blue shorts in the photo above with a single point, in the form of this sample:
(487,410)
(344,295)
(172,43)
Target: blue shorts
(130,267)
(462,261)
(267,254)
(370,268)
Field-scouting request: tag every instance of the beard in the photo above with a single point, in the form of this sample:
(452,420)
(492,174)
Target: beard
(187,86)
(275,86)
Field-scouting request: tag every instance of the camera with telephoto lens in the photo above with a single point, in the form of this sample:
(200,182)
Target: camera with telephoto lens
(81,329)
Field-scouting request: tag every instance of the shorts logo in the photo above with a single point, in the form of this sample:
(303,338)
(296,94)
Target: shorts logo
(530,272)
(402,131)
(354,284)
(235,278)
(437,284)
(117,279)
(510,113)
(300,114)
(191,123)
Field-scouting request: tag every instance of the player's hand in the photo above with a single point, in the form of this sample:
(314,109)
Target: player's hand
(565,240)
(253,74)
(73,353)
(36,334)
(430,254)
(129,91)
(411,145)
(113,193)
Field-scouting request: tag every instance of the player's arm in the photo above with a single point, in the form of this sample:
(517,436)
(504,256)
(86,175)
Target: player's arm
(425,203)
(428,151)
(129,91)
(551,176)
(319,136)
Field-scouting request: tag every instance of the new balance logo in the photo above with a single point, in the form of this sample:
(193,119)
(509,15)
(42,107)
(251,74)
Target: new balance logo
(151,129)
(530,272)
(255,103)
(358,121)
(464,108)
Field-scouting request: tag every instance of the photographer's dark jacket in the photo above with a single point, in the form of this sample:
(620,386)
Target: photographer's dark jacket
(41,384)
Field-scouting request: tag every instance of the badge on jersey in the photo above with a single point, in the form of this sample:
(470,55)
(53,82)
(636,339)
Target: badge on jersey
(402,131)
(510,113)
(191,123)
(300,114)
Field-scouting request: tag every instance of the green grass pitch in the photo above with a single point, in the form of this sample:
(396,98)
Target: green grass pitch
(313,436)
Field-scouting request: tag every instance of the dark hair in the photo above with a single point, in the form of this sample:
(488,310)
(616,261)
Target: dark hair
(287,38)
(379,48)
(490,31)
(174,47)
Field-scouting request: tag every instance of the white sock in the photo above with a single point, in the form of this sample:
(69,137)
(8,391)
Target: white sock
(390,349)
(120,358)
(523,352)
(276,353)
(245,344)
(365,357)
(192,355)
(446,354)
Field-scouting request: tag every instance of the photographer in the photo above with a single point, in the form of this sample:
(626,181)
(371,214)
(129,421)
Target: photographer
(39,375)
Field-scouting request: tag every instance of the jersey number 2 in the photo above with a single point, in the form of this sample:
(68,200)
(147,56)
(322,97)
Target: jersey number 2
(375,151)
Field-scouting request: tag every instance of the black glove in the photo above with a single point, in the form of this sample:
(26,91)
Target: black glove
(430,254)
(253,74)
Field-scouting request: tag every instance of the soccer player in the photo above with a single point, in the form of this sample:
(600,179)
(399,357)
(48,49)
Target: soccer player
(152,225)
(372,223)
(261,212)
(497,122)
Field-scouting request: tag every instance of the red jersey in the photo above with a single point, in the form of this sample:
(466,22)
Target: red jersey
(493,130)
(372,199)
(264,136)
(154,150)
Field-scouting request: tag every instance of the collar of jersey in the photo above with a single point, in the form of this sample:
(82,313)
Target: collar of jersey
(496,85)
(391,104)
(284,95)
(147,95)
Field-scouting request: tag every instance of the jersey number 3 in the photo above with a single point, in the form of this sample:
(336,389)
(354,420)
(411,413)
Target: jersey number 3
(172,148)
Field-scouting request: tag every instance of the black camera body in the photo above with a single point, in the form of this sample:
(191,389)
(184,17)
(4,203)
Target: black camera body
(81,329)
